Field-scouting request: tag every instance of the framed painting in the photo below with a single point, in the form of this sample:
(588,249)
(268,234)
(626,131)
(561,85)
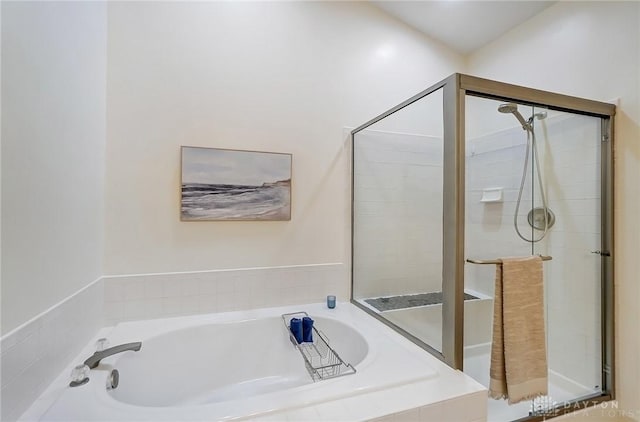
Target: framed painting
(223,184)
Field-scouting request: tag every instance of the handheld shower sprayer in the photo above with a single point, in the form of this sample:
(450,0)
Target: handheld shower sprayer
(513,109)
(547,216)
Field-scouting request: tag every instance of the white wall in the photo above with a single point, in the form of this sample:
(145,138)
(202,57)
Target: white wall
(53,152)
(592,50)
(0,167)
(53,143)
(284,77)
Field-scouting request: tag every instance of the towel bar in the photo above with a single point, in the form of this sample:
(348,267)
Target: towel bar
(497,261)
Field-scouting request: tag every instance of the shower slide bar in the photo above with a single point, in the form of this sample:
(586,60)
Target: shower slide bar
(498,261)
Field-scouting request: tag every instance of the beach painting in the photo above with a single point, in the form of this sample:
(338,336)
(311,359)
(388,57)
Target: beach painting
(223,184)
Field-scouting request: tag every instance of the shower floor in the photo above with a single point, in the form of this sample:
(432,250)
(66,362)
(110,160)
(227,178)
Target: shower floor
(476,365)
(421,315)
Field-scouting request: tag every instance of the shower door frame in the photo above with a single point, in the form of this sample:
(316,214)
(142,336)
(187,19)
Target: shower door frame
(455,89)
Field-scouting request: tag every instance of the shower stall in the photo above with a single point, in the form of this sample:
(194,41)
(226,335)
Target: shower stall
(465,173)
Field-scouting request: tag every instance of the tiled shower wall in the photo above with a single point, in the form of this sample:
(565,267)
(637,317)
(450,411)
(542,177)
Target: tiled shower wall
(493,161)
(571,172)
(398,214)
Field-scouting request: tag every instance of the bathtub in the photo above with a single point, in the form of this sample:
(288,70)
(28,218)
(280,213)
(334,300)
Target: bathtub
(238,365)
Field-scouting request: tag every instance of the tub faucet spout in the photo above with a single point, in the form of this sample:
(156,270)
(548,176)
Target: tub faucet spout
(94,360)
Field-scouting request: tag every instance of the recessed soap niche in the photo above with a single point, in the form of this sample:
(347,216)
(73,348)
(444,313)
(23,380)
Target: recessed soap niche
(492,195)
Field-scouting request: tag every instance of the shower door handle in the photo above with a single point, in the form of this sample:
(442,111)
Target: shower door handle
(602,253)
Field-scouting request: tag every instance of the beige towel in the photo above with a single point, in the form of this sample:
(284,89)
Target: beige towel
(518,351)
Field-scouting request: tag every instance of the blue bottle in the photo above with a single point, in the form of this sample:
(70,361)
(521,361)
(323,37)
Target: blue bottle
(295,325)
(307,330)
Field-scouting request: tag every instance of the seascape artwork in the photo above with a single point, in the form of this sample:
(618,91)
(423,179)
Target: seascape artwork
(221,184)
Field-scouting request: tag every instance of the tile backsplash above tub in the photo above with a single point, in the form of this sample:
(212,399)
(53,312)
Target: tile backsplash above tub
(33,354)
(173,294)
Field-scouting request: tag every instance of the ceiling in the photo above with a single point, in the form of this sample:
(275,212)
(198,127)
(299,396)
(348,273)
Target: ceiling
(463,25)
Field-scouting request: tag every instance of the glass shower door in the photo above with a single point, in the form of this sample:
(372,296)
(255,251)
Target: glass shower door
(506,204)
(571,146)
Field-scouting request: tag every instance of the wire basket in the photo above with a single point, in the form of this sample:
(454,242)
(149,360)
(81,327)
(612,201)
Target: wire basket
(321,361)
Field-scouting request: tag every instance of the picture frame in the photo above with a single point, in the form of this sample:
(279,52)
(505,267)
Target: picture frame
(234,185)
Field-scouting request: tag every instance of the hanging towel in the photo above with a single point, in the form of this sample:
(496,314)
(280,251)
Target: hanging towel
(518,350)
(295,325)
(307,330)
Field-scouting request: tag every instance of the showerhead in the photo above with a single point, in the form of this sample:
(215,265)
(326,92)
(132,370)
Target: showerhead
(513,109)
(508,108)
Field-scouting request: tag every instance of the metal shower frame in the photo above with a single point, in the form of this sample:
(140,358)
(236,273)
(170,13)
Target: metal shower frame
(455,88)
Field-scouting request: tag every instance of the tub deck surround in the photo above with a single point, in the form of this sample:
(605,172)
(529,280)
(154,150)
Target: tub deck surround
(393,375)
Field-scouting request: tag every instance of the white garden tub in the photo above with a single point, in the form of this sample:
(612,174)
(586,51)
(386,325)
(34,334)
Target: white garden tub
(237,365)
